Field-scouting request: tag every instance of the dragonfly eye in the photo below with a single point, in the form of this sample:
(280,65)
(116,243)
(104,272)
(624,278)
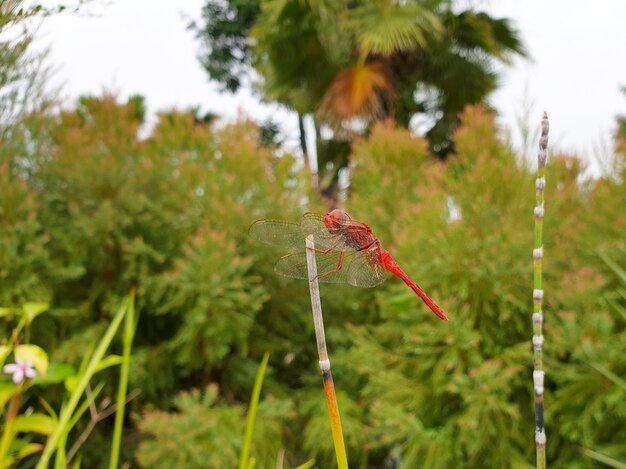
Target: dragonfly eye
(337,217)
(335,220)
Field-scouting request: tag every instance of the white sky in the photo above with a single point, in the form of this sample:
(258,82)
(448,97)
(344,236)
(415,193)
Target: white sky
(578,52)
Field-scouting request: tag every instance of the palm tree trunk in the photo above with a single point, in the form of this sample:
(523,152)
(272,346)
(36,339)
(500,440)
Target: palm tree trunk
(303,147)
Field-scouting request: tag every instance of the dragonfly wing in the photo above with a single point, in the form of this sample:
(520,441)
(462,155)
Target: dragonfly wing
(277,233)
(313,224)
(295,266)
(366,269)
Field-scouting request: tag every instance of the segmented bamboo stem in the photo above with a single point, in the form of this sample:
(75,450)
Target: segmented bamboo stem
(329,386)
(538,373)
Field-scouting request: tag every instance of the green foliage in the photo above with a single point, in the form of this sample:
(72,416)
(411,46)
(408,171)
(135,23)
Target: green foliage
(20,71)
(23,427)
(214,298)
(164,214)
(589,365)
(224,34)
(100,211)
(24,259)
(23,256)
(196,437)
(203,434)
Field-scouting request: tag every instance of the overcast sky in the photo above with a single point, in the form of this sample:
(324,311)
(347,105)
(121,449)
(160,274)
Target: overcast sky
(577,66)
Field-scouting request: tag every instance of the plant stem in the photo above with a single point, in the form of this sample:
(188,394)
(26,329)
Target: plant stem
(8,431)
(303,147)
(244,460)
(538,373)
(129,333)
(329,386)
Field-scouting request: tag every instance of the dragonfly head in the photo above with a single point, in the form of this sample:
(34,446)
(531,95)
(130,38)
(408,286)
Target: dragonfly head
(335,220)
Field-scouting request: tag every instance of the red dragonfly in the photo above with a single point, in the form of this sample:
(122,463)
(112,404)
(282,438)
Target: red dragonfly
(348,251)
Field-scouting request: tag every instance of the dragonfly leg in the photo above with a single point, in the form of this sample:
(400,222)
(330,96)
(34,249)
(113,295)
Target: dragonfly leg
(336,269)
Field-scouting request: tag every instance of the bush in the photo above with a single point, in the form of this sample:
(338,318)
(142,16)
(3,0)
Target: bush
(101,210)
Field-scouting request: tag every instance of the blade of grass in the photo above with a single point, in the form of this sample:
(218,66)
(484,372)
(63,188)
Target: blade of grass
(307,464)
(129,333)
(244,462)
(609,375)
(90,369)
(61,454)
(61,457)
(613,266)
(604,459)
(84,406)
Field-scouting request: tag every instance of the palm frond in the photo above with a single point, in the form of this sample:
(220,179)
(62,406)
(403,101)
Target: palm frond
(386,29)
(479,31)
(358,91)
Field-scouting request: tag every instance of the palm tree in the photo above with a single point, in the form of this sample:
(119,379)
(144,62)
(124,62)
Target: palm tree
(349,63)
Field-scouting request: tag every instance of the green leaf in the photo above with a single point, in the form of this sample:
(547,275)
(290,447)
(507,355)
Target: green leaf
(34,355)
(5,350)
(32,310)
(71,382)
(7,462)
(37,423)
(30,448)
(20,450)
(57,373)
(10,312)
(109,361)
(7,389)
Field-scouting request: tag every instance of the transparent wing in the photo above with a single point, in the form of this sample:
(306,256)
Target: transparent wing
(366,269)
(285,234)
(279,233)
(357,268)
(295,266)
(313,224)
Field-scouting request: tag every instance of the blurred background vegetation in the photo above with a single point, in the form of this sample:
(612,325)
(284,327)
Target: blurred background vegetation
(89,209)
